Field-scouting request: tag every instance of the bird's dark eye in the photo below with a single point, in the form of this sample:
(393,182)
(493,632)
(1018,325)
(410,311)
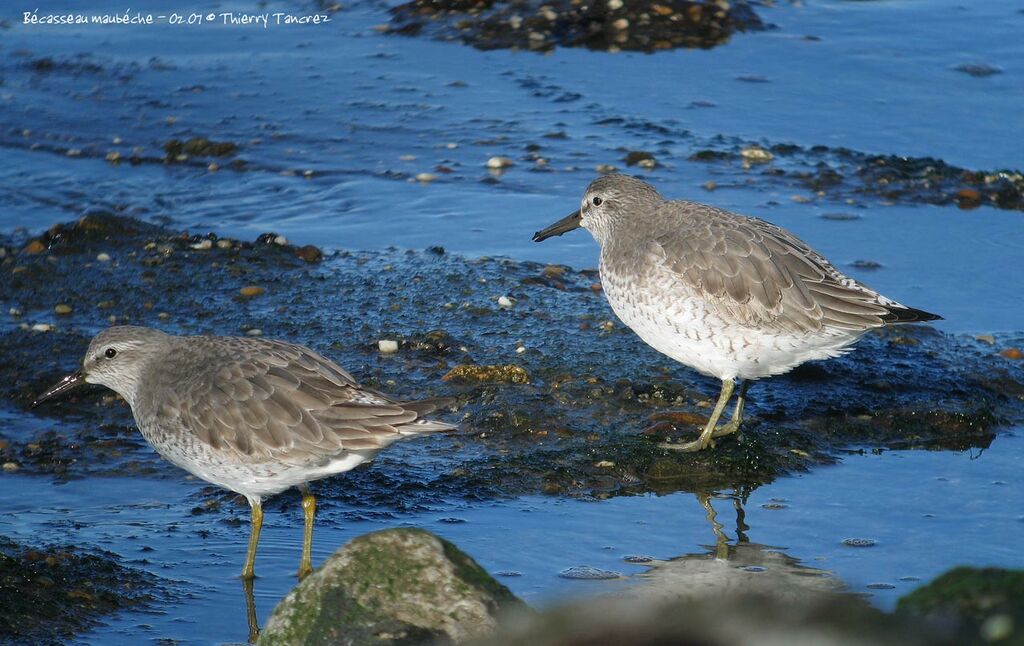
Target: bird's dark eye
(111,352)
(597,201)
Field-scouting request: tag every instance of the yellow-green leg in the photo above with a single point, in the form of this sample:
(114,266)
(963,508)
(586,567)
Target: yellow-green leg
(250,611)
(309,513)
(248,571)
(704,440)
(737,415)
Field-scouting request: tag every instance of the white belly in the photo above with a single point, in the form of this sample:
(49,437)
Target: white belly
(684,328)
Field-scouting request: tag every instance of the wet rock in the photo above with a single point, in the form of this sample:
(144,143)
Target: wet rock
(51,593)
(250,291)
(610,25)
(510,374)
(987,603)
(635,157)
(198,147)
(1012,353)
(844,173)
(978,70)
(405,583)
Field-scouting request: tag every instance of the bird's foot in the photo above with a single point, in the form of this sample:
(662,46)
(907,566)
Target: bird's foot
(686,447)
(705,440)
(726,429)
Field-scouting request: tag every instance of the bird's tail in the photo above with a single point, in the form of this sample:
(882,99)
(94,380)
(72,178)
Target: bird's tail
(423,407)
(903,314)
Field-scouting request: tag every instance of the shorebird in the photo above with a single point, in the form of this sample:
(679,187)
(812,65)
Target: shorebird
(730,296)
(254,416)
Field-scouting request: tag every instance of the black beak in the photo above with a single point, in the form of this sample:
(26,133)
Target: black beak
(67,383)
(568,223)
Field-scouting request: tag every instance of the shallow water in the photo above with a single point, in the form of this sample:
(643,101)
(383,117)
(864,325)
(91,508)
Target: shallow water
(348,104)
(925,511)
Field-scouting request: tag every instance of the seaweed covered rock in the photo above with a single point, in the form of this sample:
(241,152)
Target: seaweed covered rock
(49,594)
(393,586)
(988,603)
(609,25)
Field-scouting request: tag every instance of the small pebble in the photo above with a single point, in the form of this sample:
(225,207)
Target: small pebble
(281,240)
(614,5)
(15,312)
(497,163)
(636,558)
(62,309)
(605,464)
(254,332)
(504,302)
(202,245)
(251,290)
(647,164)
(587,572)
(604,169)
(387,346)
(425,177)
(213,167)
(621,24)
(223,244)
(986,338)
(10,467)
(103,257)
(756,154)
(859,542)
(1012,353)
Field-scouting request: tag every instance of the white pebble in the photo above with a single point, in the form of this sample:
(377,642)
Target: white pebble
(621,24)
(103,257)
(202,245)
(42,327)
(425,177)
(281,240)
(254,332)
(223,244)
(499,162)
(387,346)
(520,349)
(505,302)
(614,5)
(14,311)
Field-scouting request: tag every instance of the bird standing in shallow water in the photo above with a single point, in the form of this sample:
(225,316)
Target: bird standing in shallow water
(731,296)
(255,416)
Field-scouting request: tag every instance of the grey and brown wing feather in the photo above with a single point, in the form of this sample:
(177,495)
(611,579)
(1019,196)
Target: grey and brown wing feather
(274,400)
(757,274)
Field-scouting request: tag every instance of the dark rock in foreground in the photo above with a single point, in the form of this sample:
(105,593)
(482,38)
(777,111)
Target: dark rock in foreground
(987,603)
(720,620)
(49,594)
(393,586)
(611,25)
